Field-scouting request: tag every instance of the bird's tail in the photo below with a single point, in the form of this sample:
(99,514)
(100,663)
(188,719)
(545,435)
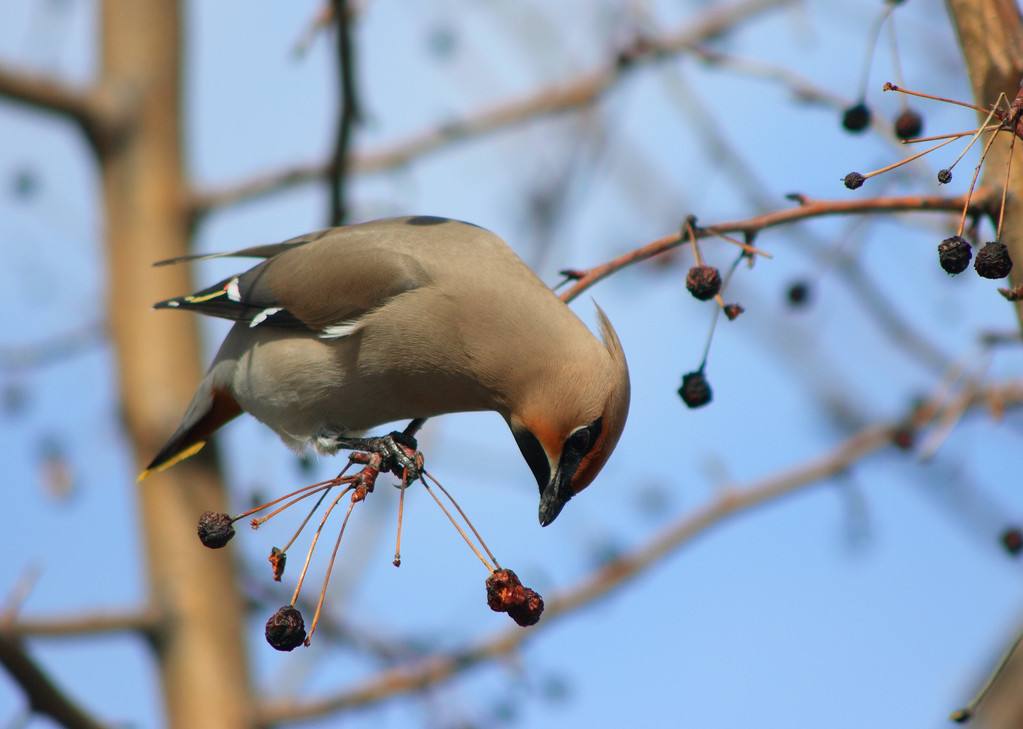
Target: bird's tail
(210,408)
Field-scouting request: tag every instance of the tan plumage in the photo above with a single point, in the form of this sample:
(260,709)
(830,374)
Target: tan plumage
(342,330)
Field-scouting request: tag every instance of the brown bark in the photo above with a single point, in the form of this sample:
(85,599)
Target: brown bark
(991,36)
(200,645)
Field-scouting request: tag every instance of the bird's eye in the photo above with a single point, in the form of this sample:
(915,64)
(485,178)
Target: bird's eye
(579,441)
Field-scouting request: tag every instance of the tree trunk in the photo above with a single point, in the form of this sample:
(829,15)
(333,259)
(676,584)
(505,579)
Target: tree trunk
(991,36)
(200,648)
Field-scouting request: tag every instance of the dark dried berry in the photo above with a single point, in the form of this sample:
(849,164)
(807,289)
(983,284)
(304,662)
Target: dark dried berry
(854,180)
(954,254)
(908,124)
(903,437)
(732,311)
(528,611)
(503,590)
(1012,541)
(703,282)
(944,176)
(277,561)
(993,260)
(285,630)
(695,391)
(856,118)
(215,529)
(798,294)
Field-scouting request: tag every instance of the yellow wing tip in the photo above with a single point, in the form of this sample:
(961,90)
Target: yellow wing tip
(173,460)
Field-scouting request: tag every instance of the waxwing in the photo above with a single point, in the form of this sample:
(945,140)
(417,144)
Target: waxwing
(345,329)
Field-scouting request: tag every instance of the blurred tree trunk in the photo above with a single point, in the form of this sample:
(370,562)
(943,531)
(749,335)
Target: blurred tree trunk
(200,646)
(991,36)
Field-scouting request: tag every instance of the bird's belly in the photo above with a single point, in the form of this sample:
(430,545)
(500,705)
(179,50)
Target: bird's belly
(304,388)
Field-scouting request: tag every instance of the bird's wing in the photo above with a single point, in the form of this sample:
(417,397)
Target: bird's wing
(262,251)
(324,285)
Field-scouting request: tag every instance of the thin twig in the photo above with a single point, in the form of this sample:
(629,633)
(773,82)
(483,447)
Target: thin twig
(348,115)
(807,210)
(558,98)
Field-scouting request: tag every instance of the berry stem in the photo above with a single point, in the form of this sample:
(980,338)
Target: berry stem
(907,160)
(954,135)
(312,546)
(896,61)
(279,499)
(459,529)
(892,87)
(305,521)
(976,136)
(260,521)
(752,250)
(1005,189)
(692,242)
(330,568)
(967,711)
(875,33)
(717,313)
(401,511)
(973,182)
(451,498)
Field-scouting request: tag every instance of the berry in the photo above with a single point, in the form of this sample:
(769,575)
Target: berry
(854,180)
(1012,541)
(277,561)
(695,391)
(798,294)
(944,176)
(285,630)
(732,311)
(215,529)
(528,611)
(954,254)
(503,590)
(856,118)
(993,260)
(703,282)
(903,437)
(908,124)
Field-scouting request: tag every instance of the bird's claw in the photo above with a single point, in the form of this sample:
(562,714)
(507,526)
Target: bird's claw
(395,453)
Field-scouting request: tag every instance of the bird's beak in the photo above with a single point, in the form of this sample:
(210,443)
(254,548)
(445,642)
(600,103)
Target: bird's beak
(556,494)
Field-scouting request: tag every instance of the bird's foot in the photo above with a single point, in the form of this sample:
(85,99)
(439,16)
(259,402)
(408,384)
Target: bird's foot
(395,453)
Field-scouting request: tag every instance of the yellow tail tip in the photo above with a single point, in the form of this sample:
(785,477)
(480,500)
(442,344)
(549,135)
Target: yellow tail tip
(173,460)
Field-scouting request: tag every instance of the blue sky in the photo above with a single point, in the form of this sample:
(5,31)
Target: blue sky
(876,599)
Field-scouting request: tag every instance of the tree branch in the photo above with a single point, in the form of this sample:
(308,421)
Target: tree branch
(556,98)
(337,171)
(44,697)
(48,94)
(99,623)
(806,210)
(617,573)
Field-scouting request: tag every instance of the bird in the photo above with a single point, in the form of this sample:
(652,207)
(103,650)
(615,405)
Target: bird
(342,330)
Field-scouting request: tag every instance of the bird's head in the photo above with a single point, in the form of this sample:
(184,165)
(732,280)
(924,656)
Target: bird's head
(570,422)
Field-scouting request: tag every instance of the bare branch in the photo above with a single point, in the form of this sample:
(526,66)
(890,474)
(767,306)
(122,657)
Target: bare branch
(348,117)
(732,503)
(99,623)
(557,98)
(48,94)
(806,210)
(43,695)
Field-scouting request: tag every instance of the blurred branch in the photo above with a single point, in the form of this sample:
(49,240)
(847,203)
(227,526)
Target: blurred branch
(53,349)
(556,98)
(50,95)
(337,171)
(99,623)
(733,502)
(44,697)
(806,210)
